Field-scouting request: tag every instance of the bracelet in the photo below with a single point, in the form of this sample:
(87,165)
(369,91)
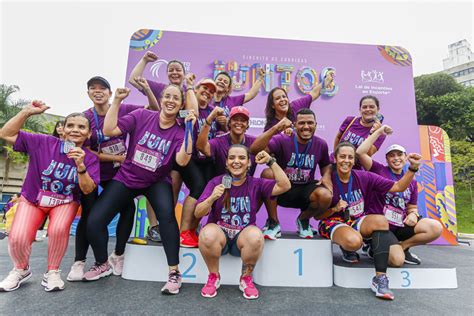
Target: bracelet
(271,162)
(83,171)
(414,170)
(207,122)
(189,88)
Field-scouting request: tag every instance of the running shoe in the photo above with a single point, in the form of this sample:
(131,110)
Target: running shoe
(116,262)
(272,230)
(411,258)
(213,283)
(349,256)
(153,234)
(14,279)
(98,271)
(248,288)
(304,229)
(77,271)
(52,281)
(380,287)
(188,239)
(367,250)
(174,283)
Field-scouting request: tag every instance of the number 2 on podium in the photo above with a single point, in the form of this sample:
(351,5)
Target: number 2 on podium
(299,252)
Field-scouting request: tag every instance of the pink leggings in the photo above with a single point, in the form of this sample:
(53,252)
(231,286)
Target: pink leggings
(28,218)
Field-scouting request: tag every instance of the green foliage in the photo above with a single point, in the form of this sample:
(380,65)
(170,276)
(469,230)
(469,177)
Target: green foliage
(436,84)
(464,210)
(462,153)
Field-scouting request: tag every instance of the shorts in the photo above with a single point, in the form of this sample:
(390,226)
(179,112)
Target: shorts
(403,233)
(231,245)
(327,227)
(298,195)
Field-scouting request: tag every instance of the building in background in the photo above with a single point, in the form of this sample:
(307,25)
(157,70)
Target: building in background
(460,63)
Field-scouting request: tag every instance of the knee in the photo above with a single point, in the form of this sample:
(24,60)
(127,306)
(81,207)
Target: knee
(435,227)
(254,238)
(267,173)
(378,222)
(58,232)
(323,196)
(352,242)
(208,236)
(397,261)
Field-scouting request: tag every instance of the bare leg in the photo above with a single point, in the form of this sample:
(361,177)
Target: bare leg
(426,230)
(270,205)
(188,220)
(250,243)
(211,242)
(348,238)
(396,257)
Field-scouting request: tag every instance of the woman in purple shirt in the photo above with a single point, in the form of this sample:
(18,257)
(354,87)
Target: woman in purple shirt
(346,224)
(278,105)
(59,171)
(400,209)
(156,141)
(232,202)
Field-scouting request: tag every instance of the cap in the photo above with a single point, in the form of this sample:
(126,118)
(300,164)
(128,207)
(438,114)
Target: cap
(100,79)
(395,147)
(239,110)
(207,82)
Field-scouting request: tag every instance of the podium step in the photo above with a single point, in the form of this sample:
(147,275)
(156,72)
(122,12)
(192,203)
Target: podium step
(288,261)
(431,274)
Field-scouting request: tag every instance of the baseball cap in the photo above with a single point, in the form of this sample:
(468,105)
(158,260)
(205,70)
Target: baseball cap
(239,110)
(207,82)
(395,147)
(99,79)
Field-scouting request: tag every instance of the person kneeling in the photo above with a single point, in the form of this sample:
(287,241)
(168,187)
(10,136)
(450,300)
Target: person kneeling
(232,201)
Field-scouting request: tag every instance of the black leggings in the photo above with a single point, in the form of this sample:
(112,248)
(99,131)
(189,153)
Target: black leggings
(124,225)
(196,174)
(160,196)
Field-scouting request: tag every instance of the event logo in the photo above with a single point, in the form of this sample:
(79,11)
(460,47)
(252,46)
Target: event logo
(372,76)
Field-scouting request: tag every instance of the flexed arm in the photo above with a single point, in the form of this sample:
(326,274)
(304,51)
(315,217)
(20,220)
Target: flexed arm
(261,142)
(111,118)
(137,71)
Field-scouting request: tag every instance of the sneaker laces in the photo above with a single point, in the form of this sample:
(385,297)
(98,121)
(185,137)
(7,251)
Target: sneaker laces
(174,276)
(212,279)
(54,275)
(248,281)
(304,223)
(383,280)
(96,267)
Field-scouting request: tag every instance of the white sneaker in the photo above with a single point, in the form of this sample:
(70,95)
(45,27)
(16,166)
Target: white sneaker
(52,281)
(77,271)
(116,262)
(14,279)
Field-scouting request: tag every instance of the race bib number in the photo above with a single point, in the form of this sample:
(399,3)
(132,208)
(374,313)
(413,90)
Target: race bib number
(394,215)
(356,208)
(146,159)
(113,147)
(298,175)
(230,230)
(50,199)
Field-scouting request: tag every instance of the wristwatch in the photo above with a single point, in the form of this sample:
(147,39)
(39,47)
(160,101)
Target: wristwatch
(271,161)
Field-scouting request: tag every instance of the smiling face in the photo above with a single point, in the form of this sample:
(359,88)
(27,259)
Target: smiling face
(204,94)
(396,160)
(238,162)
(175,73)
(171,101)
(305,126)
(280,101)
(368,109)
(238,124)
(77,130)
(98,93)
(223,84)
(345,159)
(60,129)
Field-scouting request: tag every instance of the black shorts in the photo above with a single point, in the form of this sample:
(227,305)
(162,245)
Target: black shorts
(298,195)
(231,245)
(403,233)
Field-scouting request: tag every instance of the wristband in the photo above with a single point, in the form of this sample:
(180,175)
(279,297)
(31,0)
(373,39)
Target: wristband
(414,170)
(271,162)
(189,88)
(207,122)
(83,171)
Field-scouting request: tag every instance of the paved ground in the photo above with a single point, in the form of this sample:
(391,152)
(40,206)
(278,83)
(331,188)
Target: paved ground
(117,296)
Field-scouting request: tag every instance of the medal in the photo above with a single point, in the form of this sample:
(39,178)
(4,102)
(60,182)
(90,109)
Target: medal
(67,146)
(227,181)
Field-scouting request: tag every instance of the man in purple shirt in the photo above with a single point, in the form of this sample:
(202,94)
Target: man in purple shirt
(299,155)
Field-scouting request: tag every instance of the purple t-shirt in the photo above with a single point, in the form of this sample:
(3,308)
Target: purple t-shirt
(200,122)
(364,185)
(299,169)
(111,145)
(151,151)
(357,133)
(399,200)
(295,105)
(227,103)
(49,170)
(220,148)
(244,201)
(157,88)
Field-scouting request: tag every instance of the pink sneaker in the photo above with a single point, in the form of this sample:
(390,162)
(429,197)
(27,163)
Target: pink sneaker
(247,286)
(97,271)
(116,262)
(213,283)
(173,284)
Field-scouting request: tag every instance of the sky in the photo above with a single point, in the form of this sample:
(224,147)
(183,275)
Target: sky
(50,49)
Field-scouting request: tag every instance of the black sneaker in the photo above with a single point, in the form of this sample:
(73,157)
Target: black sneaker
(411,258)
(153,234)
(349,256)
(367,250)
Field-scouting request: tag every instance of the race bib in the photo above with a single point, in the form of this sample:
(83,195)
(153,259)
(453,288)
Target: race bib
(356,208)
(394,215)
(298,175)
(146,159)
(50,199)
(113,147)
(230,230)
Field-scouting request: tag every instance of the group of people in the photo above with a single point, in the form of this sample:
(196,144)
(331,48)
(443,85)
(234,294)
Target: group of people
(196,133)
